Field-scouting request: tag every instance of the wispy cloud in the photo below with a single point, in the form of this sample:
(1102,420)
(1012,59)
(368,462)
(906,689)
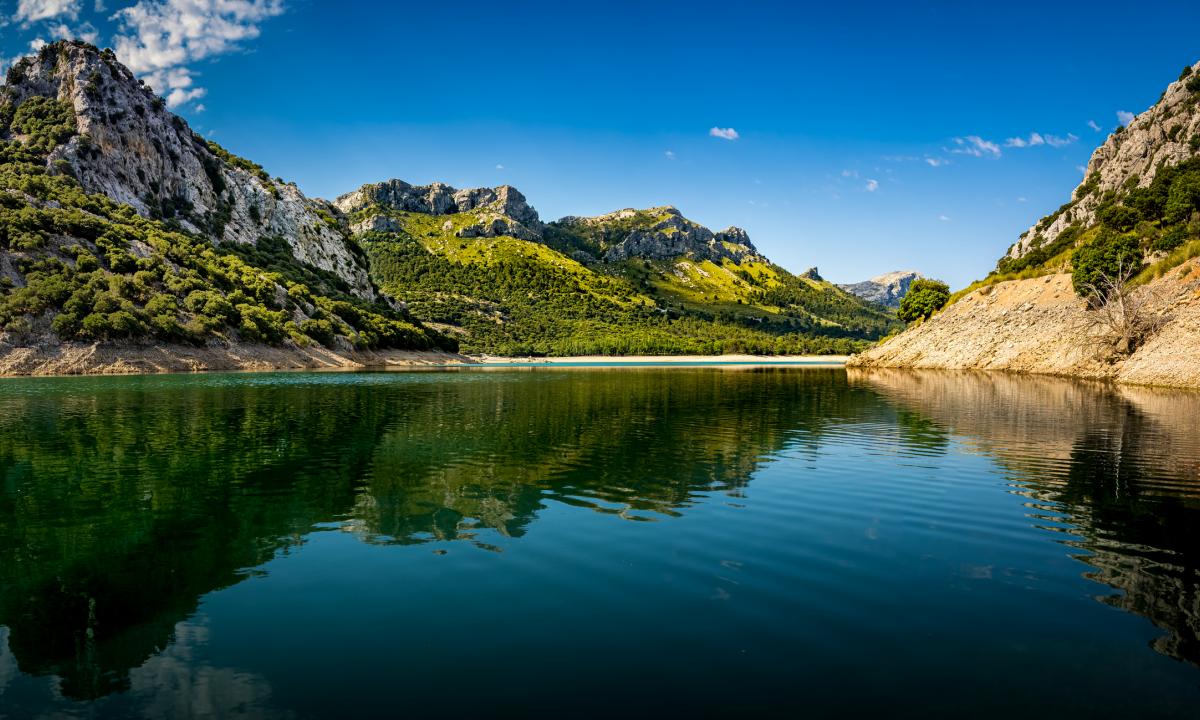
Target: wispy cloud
(1124,117)
(1094,125)
(724,133)
(1034,140)
(669,154)
(1056,141)
(976,146)
(86,32)
(936,161)
(849,173)
(160,39)
(872,185)
(943,218)
(499,166)
(33,10)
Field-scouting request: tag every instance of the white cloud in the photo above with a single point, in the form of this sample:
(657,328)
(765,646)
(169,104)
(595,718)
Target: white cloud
(499,166)
(1094,125)
(1081,169)
(669,154)
(37,44)
(936,161)
(849,173)
(1034,140)
(724,133)
(160,38)
(33,10)
(86,32)
(976,146)
(943,218)
(1125,117)
(872,185)
(179,96)
(1022,199)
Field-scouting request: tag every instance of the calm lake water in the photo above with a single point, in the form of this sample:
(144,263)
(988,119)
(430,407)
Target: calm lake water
(622,542)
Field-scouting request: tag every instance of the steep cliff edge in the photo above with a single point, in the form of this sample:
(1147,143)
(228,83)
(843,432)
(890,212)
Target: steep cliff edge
(114,259)
(129,147)
(1165,135)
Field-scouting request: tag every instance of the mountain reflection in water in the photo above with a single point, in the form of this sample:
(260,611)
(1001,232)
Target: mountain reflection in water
(128,501)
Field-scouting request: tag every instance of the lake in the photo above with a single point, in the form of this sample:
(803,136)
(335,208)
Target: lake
(598,542)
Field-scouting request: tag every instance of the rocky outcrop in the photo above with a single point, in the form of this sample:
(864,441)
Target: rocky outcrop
(501,211)
(132,149)
(1166,134)
(887,289)
(660,233)
(1041,326)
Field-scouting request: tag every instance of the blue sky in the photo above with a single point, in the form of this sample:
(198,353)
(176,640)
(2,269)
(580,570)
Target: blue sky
(869,136)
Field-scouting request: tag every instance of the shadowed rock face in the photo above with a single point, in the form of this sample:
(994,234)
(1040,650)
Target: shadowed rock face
(132,149)
(887,289)
(1120,462)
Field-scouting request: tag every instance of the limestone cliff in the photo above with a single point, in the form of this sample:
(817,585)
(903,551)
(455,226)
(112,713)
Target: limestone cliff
(1166,134)
(660,233)
(132,149)
(497,211)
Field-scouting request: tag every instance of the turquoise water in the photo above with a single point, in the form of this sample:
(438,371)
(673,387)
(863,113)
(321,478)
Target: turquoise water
(597,542)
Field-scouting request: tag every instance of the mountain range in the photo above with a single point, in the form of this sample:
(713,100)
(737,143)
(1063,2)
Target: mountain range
(121,228)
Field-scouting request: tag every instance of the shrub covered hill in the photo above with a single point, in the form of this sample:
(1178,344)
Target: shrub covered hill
(1107,285)
(121,228)
(118,223)
(481,263)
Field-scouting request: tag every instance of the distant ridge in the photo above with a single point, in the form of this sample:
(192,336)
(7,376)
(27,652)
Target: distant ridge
(887,289)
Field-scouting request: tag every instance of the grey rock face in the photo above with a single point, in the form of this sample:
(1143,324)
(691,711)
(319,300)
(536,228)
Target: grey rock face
(669,236)
(1157,138)
(133,150)
(887,289)
(504,209)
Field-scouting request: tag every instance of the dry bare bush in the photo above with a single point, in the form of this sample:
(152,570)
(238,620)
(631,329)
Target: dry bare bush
(1120,318)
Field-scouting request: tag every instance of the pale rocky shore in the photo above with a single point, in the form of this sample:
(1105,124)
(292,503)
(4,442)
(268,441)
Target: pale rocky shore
(136,359)
(1041,326)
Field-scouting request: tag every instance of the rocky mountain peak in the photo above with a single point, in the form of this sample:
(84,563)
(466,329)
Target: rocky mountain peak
(501,210)
(1166,134)
(886,289)
(658,233)
(129,147)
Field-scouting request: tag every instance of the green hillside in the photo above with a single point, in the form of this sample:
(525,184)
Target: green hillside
(511,296)
(78,266)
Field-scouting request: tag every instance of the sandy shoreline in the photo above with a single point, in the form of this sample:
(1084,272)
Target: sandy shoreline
(140,359)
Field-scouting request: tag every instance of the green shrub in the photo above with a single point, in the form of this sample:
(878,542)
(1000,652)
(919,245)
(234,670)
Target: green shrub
(1109,258)
(923,299)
